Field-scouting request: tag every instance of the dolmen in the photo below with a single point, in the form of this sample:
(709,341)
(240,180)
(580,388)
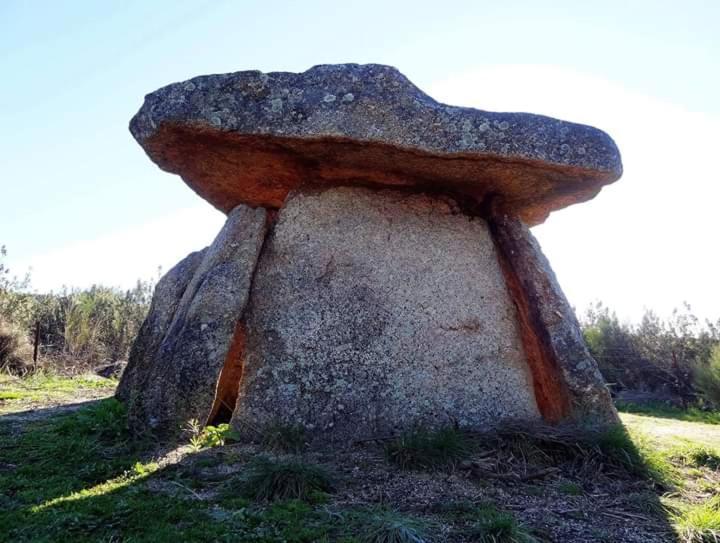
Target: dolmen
(376,271)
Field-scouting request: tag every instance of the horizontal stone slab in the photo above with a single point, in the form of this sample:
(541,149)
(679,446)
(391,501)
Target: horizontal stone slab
(250,138)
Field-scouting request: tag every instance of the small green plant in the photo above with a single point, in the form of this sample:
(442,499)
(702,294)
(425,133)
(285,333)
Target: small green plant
(278,436)
(423,449)
(699,523)
(494,526)
(210,436)
(269,480)
(383,526)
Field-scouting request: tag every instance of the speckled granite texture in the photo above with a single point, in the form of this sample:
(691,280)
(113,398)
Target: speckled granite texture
(376,271)
(375,311)
(176,362)
(250,137)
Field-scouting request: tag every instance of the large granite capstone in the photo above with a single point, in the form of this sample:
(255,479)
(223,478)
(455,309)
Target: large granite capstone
(376,272)
(251,138)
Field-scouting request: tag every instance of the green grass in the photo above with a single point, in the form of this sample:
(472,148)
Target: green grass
(699,523)
(45,387)
(268,480)
(78,477)
(385,526)
(423,449)
(488,524)
(660,410)
(697,456)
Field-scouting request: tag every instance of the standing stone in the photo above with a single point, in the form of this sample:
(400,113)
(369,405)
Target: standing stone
(568,381)
(374,311)
(165,300)
(180,377)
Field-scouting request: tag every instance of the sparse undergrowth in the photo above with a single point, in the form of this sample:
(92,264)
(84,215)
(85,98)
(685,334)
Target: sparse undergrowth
(78,476)
(269,480)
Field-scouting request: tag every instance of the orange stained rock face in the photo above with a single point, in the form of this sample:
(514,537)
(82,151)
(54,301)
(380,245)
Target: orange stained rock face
(229,380)
(228,169)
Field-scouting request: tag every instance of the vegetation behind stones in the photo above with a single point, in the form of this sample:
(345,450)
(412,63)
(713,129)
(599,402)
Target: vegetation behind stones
(79,329)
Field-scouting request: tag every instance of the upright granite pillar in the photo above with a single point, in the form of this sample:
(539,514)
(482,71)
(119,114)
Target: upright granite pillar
(376,272)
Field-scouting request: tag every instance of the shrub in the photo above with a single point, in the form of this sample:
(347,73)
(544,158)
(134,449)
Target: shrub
(271,480)
(707,378)
(15,350)
(423,449)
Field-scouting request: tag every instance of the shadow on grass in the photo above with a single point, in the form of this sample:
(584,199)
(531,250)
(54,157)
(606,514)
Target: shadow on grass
(72,473)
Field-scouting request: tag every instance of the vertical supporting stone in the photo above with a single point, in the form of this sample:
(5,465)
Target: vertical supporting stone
(568,384)
(179,378)
(167,296)
(374,311)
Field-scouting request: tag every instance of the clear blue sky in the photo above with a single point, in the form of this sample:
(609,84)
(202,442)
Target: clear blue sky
(74,72)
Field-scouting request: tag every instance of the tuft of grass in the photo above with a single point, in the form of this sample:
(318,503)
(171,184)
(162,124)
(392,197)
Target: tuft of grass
(385,526)
(699,523)
(269,480)
(279,436)
(638,457)
(423,449)
(697,456)
(646,502)
(494,526)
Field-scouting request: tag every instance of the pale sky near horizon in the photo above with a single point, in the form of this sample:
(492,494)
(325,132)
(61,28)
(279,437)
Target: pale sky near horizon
(82,204)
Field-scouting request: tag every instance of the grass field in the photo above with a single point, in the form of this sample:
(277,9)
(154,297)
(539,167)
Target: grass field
(73,474)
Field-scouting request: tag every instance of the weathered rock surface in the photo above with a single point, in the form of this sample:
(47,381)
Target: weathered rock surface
(372,311)
(166,298)
(249,137)
(568,383)
(177,361)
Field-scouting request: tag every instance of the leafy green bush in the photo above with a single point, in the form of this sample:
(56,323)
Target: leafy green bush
(423,449)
